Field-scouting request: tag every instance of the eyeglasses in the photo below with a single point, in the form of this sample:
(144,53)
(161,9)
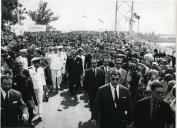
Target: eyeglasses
(118,63)
(114,79)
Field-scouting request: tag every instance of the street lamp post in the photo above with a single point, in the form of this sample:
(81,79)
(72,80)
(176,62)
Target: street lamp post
(138,18)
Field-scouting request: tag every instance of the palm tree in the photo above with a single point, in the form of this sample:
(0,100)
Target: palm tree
(42,16)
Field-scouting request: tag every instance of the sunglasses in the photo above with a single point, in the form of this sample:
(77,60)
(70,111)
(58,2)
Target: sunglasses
(114,79)
(118,63)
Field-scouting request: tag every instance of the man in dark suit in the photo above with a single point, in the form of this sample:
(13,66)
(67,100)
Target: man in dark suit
(87,63)
(112,105)
(123,79)
(153,112)
(24,85)
(93,79)
(13,107)
(105,67)
(74,70)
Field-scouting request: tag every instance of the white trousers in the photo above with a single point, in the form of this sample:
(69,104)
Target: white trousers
(39,97)
(56,77)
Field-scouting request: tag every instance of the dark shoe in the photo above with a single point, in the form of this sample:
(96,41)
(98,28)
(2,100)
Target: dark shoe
(59,109)
(40,119)
(34,115)
(72,94)
(75,98)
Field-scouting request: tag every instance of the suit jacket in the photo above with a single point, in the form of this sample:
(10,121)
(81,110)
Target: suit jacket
(38,78)
(143,117)
(11,112)
(123,78)
(87,63)
(105,71)
(74,67)
(92,82)
(104,108)
(25,87)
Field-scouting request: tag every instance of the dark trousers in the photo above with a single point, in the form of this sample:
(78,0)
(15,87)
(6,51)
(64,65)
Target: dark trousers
(47,71)
(74,79)
(92,96)
(30,111)
(91,101)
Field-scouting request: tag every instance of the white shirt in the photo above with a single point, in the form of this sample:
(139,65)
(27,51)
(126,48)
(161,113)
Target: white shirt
(56,61)
(120,70)
(113,90)
(64,55)
(106,69)
(38,78)
(83,60)
(94,70)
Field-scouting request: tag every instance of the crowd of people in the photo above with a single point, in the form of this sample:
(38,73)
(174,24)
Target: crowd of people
(129,83)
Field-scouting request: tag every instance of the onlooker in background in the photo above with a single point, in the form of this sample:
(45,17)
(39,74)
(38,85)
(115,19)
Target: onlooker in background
(22,58)
(153,112)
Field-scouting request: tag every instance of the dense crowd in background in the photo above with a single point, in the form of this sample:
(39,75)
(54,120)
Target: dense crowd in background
(144,64)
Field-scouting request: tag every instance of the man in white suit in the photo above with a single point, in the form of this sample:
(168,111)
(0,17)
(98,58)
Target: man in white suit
(64,57)
(56,66)
(38,79)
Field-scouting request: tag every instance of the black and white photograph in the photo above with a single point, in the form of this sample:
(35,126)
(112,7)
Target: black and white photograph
(88,63)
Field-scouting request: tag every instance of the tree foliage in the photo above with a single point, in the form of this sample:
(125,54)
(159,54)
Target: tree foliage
(12,12)
(42,15)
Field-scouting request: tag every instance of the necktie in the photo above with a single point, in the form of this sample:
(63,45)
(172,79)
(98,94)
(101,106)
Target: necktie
(94,71)
(116,97)
(6,100)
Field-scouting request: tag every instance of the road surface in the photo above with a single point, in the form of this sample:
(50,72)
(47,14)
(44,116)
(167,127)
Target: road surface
(63,111)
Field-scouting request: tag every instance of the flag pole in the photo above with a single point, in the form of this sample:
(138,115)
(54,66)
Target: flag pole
(116,17)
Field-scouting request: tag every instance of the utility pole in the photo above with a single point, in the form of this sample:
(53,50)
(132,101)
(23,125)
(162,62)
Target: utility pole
(131,20)
(116,16)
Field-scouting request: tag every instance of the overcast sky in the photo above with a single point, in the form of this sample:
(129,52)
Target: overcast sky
(156,15)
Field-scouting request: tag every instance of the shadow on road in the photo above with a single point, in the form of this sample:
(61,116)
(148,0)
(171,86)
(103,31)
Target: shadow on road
(67,100)
(86,124)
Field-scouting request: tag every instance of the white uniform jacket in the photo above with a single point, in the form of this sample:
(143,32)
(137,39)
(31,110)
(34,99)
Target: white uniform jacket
(38,78)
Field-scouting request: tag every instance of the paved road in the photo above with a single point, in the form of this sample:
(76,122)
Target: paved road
(73,114)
